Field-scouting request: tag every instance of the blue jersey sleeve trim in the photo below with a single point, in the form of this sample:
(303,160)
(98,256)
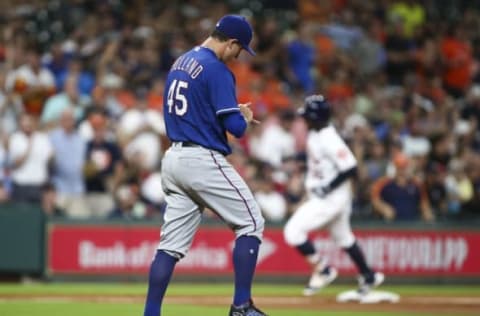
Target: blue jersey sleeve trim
(229,110)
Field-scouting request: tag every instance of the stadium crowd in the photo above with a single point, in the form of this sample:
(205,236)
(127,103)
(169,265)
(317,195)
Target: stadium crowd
(81,86)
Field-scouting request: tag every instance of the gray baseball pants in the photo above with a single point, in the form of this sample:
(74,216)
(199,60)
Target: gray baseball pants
(195,178)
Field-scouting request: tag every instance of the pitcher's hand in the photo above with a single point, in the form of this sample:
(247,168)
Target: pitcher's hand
(247,113)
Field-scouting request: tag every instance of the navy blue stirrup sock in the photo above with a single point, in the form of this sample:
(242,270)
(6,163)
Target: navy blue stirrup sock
(306,249)
(245,256)
(358,258)
(161,271)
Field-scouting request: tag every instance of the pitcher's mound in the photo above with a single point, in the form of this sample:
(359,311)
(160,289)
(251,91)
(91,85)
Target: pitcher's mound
(373,297)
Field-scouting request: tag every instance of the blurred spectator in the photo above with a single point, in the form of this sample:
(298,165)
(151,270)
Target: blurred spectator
(294,189)
(86,126)
(254,91)
(459,187)
(31,82)
(143,58)
(443,149)
(155,96)
(456,52)
(315,10)
(129,205)
(67,167)
(427,57)
(269,48)
(274,91)
(399,53)
(415,143)
(343,30)
(471,111)
(403,197)
(10,108)
(103,167)
(57,61)
(475,176)
(58,103)
(340,87)
(372,165)
(276,142)
(271,202)
(375,163)
(29,152)
(411,12)
(109,93)
(139,133)
(152,194)
(301,58)
(414,139)
(265,92)
(85,79)
(355,129)
(369,52)
(436,189)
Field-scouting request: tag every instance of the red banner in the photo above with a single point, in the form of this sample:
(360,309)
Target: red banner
(129,250)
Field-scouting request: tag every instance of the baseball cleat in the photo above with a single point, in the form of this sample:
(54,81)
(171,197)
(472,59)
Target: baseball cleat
(319,280)
(366,284)
(247,309)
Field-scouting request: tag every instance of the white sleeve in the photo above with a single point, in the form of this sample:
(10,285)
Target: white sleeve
(339,153)
(17,146)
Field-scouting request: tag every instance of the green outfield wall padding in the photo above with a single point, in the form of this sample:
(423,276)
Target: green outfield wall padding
(21,239)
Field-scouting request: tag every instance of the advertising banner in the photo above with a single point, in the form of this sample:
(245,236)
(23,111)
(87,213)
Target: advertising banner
(92,249)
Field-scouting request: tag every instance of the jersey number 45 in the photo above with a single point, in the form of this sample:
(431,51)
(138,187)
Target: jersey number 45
(177,97)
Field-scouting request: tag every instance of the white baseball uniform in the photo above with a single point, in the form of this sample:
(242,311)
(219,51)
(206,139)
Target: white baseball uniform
(328,155)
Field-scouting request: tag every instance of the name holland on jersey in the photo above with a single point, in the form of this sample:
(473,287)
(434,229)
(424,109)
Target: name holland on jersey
(189,65)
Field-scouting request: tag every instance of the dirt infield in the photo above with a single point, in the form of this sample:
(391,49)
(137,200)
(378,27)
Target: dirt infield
(459,305)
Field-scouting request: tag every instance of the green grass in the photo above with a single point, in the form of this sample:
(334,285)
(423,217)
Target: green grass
(92,309)
(68,309)
(74,288)
(27,307)
(217,289)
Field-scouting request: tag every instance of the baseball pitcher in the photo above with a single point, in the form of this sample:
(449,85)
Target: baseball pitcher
(200,105)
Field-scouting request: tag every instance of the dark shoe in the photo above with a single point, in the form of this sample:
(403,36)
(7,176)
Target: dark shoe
(365,285)
(247,309)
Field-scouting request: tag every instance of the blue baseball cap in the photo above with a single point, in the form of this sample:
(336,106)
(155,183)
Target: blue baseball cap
(236,27)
